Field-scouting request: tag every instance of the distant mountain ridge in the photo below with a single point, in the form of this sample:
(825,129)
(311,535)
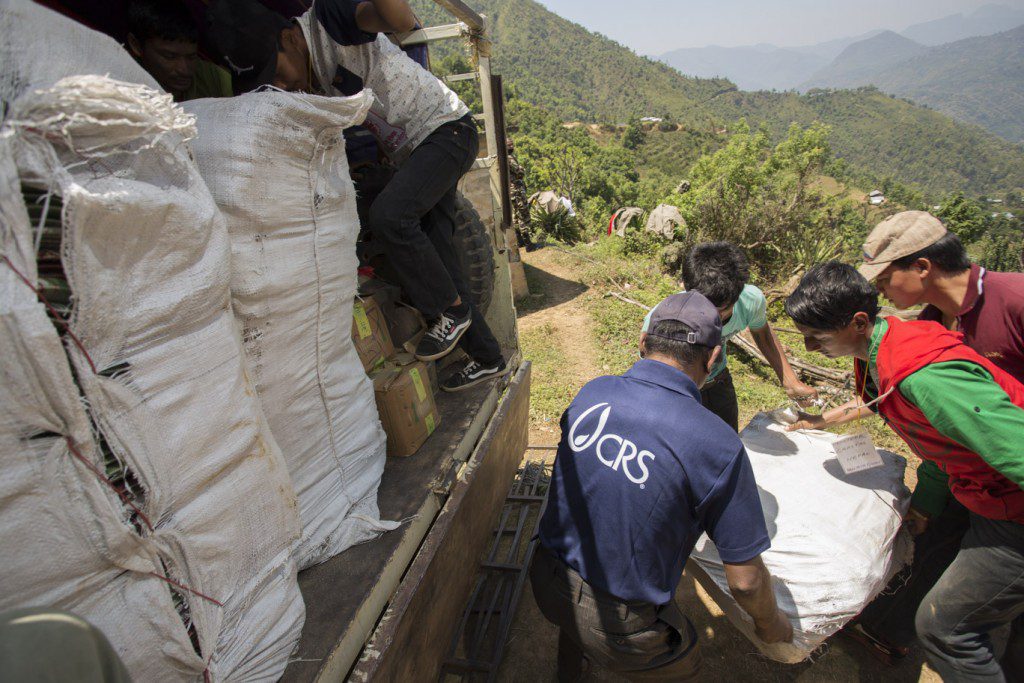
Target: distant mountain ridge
(979,80)
(862,62)
(983,21)
(770,67)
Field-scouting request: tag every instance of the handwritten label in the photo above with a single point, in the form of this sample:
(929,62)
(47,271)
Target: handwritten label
(417,381)
(856,452)
(362,322)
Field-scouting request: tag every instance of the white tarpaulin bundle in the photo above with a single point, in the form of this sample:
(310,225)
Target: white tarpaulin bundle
(275,163)
(158,361)
(836,537)
(38,47)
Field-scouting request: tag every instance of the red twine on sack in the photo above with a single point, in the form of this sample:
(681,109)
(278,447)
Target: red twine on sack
(124,498)
(102,477)
(54,312)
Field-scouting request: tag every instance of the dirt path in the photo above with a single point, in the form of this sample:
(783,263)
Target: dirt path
(558,308)
(558,318)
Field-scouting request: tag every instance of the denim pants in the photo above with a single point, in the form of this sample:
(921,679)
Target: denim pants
(891,615)
(413,218)
(719,396)
(637,640)
(965,619)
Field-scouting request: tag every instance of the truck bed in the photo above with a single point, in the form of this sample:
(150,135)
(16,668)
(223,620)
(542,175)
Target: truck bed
(345,595)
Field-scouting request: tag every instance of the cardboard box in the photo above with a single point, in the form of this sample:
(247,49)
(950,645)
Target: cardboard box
(370,333)
(406,406)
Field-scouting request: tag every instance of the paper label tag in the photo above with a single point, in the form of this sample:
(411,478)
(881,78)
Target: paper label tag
(362,322)
(430,423)
(856,452)
(417,381)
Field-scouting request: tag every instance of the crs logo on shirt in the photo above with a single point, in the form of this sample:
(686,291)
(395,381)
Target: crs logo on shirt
(628,458)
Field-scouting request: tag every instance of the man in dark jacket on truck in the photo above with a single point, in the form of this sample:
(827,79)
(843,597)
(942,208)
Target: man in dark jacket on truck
(643,469)
(964,417)
(423,126)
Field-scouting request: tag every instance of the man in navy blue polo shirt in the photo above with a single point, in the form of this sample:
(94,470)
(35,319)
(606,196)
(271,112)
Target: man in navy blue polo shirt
(642,470)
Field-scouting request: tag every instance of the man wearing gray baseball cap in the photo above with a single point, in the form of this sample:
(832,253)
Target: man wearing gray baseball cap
(642,470)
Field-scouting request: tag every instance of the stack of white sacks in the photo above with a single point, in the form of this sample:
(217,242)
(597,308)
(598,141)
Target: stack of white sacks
(144,487)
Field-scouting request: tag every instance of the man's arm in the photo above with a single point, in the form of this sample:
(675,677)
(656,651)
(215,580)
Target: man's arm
(769,345)
(840,415)
(962,402)
(751,587)
(385,16)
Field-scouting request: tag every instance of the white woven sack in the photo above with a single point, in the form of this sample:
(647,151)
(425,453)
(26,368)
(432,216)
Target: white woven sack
(836,538)
(146,255)
(275,163)
(67,540)
(38,47)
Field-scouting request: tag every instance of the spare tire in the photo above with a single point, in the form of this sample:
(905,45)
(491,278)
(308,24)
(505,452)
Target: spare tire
(473,248)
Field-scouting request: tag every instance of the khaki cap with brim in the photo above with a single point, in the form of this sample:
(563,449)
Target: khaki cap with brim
(906,233)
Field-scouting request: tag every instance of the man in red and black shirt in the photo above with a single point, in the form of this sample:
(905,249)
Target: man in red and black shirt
(964,417)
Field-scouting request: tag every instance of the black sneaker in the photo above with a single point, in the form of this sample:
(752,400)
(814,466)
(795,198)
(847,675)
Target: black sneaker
(443,335)
(474,373)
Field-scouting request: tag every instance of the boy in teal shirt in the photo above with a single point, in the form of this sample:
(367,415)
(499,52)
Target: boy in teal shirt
(719,271)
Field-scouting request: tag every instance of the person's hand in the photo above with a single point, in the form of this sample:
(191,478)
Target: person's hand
(807,421)
(915,521)
(778,630)
(802,393)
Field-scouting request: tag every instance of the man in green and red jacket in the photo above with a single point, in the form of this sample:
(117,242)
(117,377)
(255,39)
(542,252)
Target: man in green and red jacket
(964,417)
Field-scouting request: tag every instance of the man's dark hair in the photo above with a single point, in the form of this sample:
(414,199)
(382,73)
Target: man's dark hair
(829,295)
(661,338)
(167,19)
(948,254)
(718,270)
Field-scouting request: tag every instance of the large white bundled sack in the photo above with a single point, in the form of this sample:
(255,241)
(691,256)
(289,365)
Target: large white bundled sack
(68,539)
(836,538)
(275,163)
(38,47)
(159,361)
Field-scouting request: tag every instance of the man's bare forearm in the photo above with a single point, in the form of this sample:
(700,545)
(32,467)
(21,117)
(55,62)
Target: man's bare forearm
(751,587)
(769,345)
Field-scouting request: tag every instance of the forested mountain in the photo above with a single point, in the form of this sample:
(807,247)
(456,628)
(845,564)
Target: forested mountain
(980,80)
(883,136)
(862,63)
(577,75)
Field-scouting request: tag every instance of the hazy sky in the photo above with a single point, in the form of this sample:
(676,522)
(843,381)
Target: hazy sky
(657,26)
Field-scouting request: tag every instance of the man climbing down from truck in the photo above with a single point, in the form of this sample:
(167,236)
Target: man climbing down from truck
(642,471)
(425,128)
(963,416)
(719,271)
(915,260)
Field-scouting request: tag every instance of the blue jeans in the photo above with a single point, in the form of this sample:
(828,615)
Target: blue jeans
(965,619)
(413,218)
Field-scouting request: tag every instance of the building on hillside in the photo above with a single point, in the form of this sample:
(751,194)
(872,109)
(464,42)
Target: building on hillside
(876,197)
(651,119)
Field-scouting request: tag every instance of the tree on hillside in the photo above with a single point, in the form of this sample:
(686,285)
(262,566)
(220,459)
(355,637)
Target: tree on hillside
(963,216)
(633,137)
(764,199)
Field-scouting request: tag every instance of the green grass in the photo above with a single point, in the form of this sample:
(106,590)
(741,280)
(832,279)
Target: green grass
(550,390)
(618,324)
